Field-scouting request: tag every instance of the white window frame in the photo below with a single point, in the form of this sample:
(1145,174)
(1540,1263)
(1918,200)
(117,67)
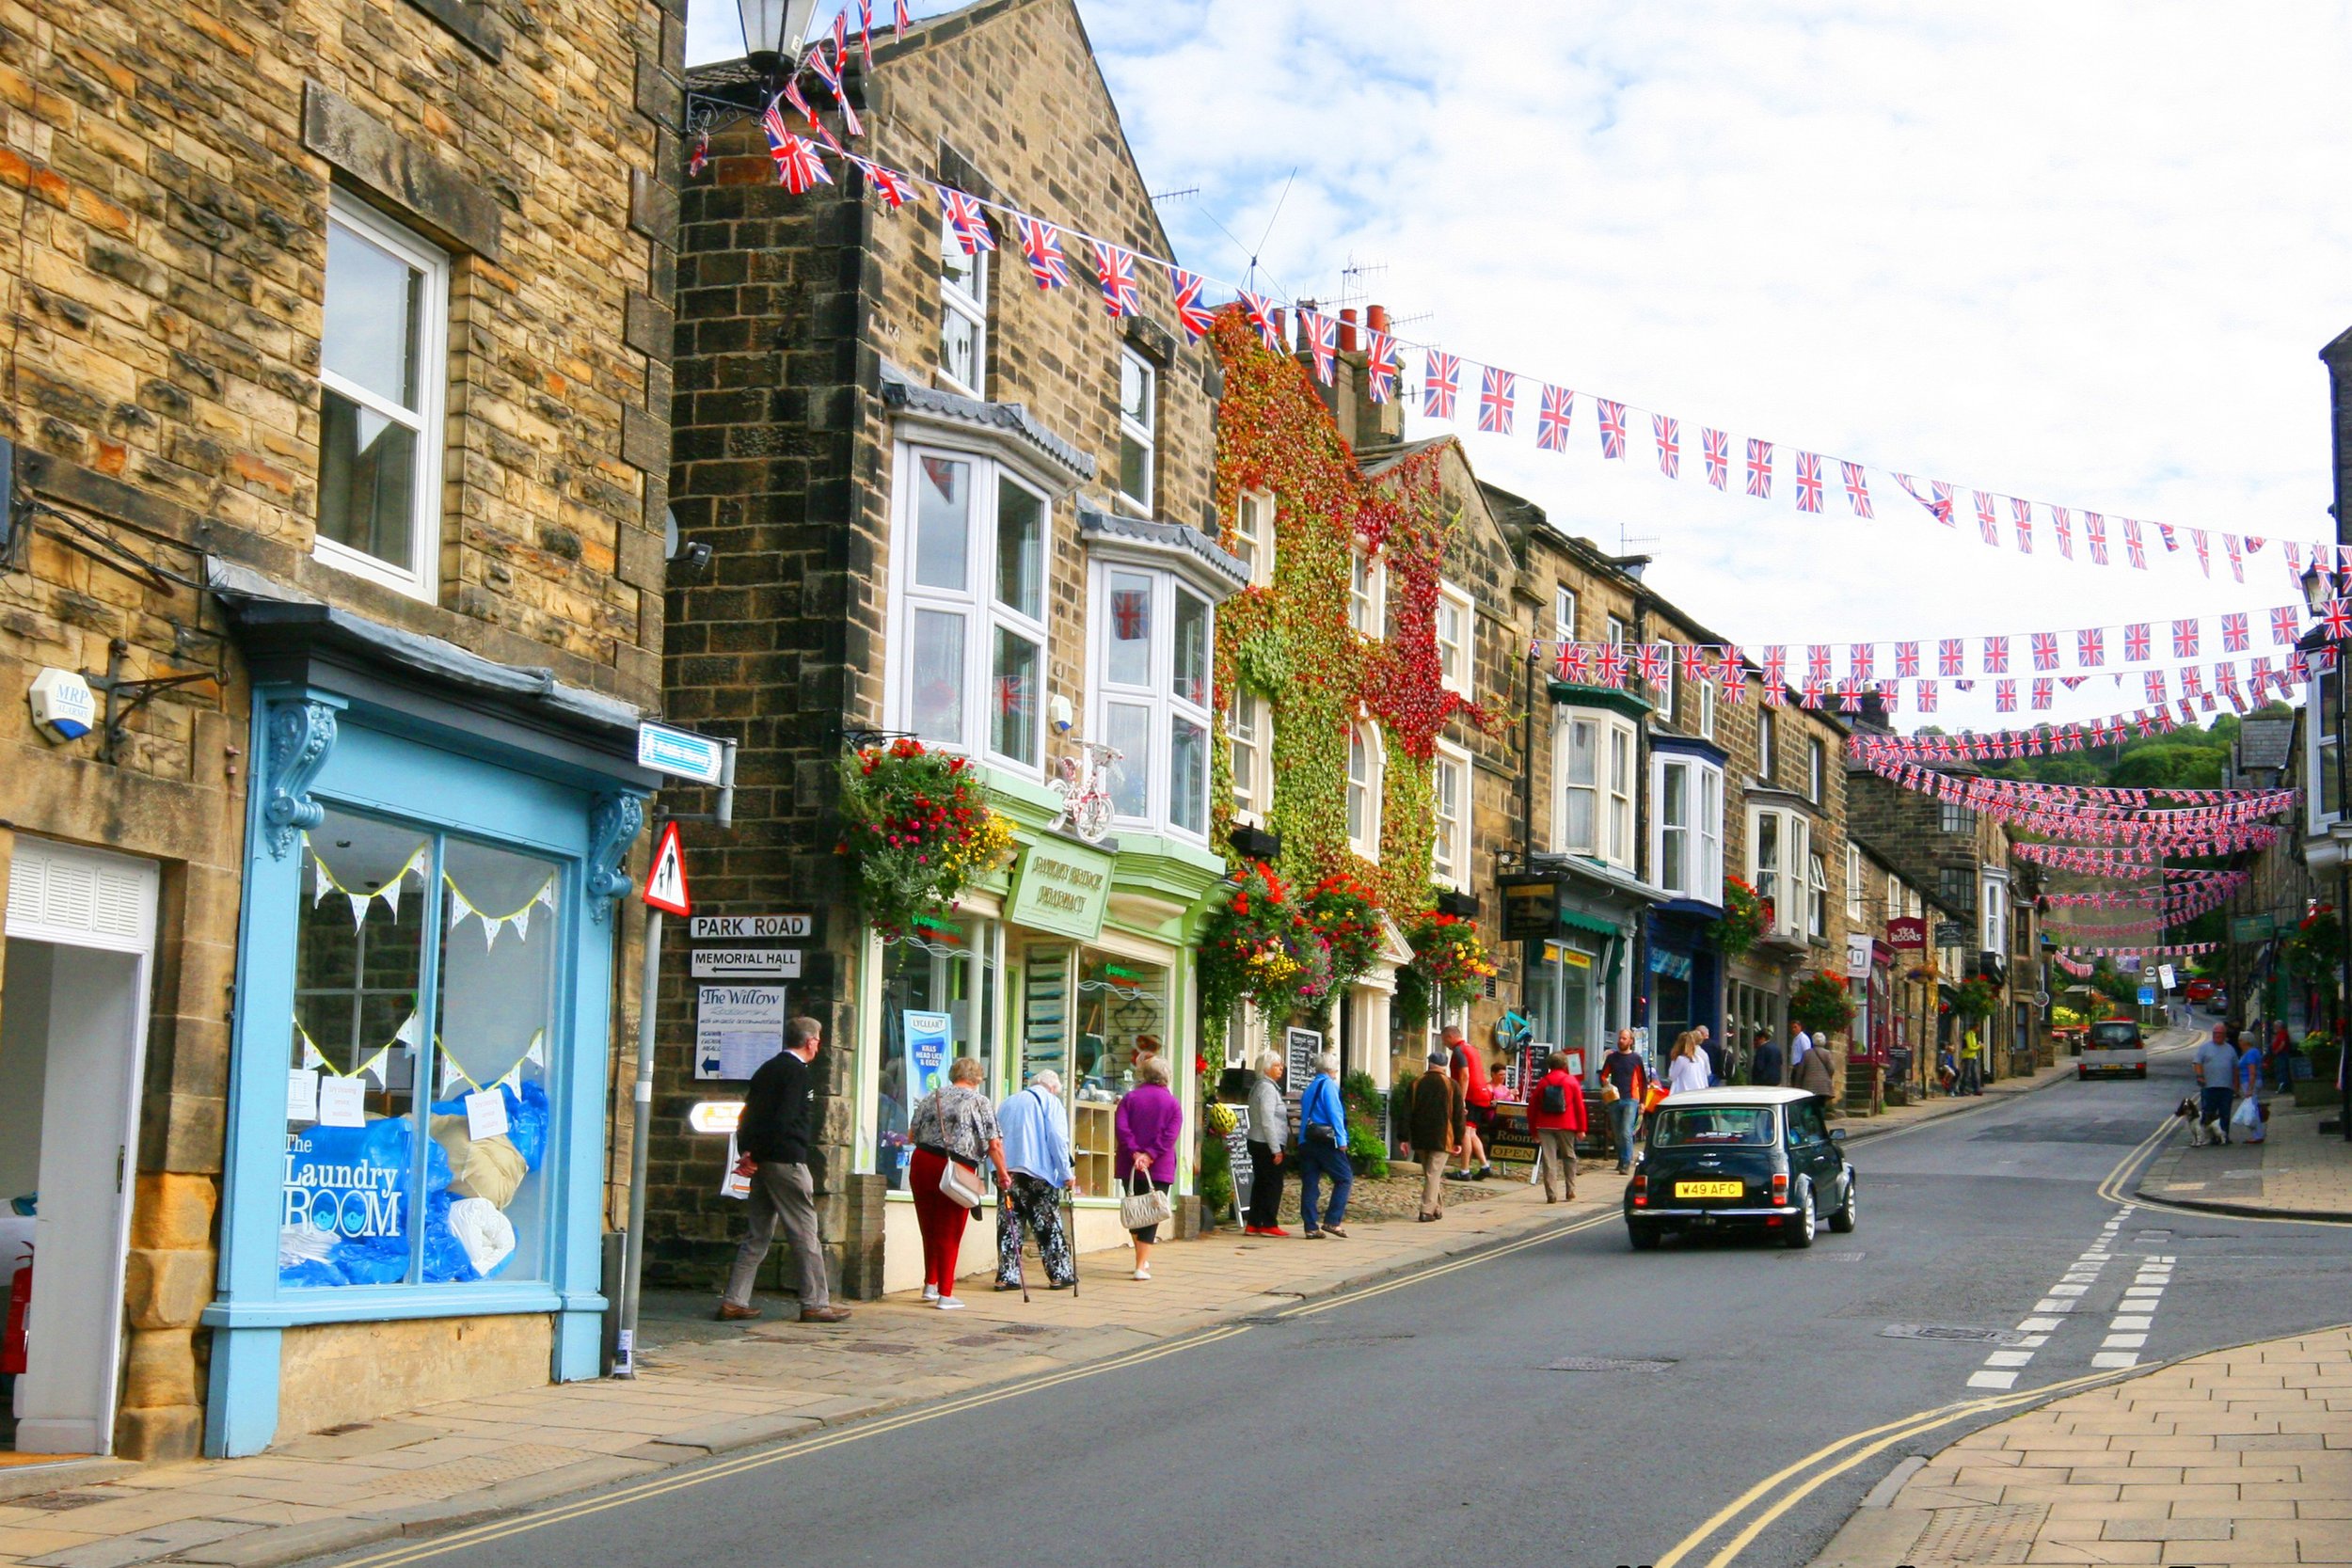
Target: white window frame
(1702,834)
(1855,894)
(1159,696)
(1993,914)
(1817,899)
(1368,595)
(977,603)
(1791,874)
(1767,742)
(1464,653)
(1249,730)
(420,577)
(1617,632)
(1363,826)
(1144,434)
(1623,751)
(971,304)
(1706,710)
(1664,689)
(1449,842)
(1615,739)
(1816,769)
(1254,534)
(1563,613)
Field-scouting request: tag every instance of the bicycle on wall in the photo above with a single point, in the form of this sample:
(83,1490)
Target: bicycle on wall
(1084,787)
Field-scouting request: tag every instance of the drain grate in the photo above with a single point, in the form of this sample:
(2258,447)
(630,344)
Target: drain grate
(60,1502)
(1986,1533)
(1605,1364)
(1951,1333)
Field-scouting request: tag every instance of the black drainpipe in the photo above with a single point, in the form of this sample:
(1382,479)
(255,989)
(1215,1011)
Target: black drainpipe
(1639,975)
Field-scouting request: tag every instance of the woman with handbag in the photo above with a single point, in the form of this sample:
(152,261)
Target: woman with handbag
(953,1128)
(1147,1129)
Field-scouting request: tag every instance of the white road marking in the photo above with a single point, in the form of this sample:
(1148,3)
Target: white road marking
(1992,1380)
(2039,1325)
(2123,1341)
(2130,1320)
(2009,1358)
(2107,1360)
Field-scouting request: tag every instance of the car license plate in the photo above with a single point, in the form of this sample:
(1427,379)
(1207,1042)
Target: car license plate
(1707,1189)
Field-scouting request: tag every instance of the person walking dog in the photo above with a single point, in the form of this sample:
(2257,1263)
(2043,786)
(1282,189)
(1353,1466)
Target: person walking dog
(1269,1133)
(778,1137)
(1323,1149)
(1035,1131)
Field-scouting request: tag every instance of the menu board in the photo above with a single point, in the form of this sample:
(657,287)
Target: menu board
(1299,1050)
(1237,1155)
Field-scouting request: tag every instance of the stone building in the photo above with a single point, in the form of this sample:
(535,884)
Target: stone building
(337,414)
(940,502)
(2269,755)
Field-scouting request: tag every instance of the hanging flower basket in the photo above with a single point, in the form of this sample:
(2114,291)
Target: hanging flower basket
(1261,948)
(1821,1004)
(1347,914)
(917,827)
(1977,999)
(1746,917)
(1450,966)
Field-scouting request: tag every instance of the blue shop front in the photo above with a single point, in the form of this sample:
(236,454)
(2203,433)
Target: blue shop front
(412,1191)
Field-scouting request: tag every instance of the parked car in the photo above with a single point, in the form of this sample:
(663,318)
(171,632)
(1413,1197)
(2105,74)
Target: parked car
(2113,1048)
(1741,1159)
(2199,993)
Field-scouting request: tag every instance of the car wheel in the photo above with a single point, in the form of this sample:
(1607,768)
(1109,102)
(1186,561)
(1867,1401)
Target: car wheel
(1850,1211)
(1645,1238)
(1802,1235)
(2143,1071)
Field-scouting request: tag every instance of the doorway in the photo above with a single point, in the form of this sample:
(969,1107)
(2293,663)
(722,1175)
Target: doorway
(73,1005)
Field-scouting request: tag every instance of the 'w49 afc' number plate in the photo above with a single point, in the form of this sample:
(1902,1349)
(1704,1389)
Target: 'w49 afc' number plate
(1707,1189)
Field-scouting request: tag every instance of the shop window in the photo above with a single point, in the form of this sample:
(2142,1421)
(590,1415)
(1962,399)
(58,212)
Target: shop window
(426,967)
(1450,796)
(1253,536)
(1249,728)
(1138,427)
(1364,762)
(971,673)
(1367,594)
(1816,901)
(1456,638)
(1688,845)
(1153,637)
(941,968)
(1120,1015)
(962,314)
(383,364)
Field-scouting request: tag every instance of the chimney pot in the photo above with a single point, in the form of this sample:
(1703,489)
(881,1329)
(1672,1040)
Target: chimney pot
(1377,317)
(1347,330)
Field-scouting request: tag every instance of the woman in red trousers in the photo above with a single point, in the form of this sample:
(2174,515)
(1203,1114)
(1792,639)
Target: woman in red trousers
(953,1124)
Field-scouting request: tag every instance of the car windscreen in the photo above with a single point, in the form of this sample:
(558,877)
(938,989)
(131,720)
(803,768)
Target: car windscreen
(1712,1126)
(2114,1036)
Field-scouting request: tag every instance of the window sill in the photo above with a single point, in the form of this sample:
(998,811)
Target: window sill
(342,558)
(292,1308)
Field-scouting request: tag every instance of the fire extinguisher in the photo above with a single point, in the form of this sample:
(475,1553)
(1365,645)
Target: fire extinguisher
(12,1338)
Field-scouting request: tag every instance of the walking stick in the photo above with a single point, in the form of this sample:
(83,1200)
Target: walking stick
(1021,1264)
(1069,1238)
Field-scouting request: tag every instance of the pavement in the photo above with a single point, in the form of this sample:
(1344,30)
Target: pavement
(2296,1171)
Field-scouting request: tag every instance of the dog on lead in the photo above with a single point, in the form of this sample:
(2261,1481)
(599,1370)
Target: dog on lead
(2200,1132)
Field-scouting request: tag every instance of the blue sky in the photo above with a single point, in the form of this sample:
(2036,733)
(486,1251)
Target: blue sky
(2085,254)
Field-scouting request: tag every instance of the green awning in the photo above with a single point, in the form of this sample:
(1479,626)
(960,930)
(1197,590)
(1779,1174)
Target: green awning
(1578,920)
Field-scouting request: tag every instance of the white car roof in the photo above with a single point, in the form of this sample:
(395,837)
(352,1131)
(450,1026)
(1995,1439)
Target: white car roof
(1735,1096)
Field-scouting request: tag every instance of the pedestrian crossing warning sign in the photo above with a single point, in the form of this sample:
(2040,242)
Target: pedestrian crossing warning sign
(665,884)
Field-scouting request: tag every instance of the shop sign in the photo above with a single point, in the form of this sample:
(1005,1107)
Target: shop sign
(1949,933)
(1858,947)
(749,963)
(1530,907)
(2253,928)
(1561,953)
(1907,931)
(1062,889)
(342,1187)
(737,1030)
(681,752)
(1673,965)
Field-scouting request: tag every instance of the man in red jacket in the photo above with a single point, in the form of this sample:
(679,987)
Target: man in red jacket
(1555,1113)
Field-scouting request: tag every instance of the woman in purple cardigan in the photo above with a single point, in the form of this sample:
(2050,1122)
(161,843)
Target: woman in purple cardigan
(1148,1125)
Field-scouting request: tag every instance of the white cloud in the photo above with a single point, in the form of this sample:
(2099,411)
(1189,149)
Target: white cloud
(2085,254)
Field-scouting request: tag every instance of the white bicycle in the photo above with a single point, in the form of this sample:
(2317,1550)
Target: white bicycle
(1085,789)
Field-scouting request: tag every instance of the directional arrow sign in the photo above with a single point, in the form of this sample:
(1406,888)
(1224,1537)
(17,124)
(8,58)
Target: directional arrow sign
(665,884)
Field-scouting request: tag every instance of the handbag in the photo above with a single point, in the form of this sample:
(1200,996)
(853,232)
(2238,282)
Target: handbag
(1609,1095)
(962,1182)
(1140,1209)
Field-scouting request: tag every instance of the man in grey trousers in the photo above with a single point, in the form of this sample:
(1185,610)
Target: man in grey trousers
(777,1134)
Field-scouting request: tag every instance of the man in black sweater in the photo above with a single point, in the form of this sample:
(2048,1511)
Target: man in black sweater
(777,1134)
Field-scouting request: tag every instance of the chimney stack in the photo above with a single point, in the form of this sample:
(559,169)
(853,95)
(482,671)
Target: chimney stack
(2337,356)
(1377,317)
(1348,329)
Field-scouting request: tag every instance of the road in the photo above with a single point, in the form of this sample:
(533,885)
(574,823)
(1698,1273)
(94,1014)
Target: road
(1448,1416)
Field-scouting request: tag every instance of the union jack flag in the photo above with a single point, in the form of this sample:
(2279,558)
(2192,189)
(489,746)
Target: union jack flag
(1850,699)
(2237,557)
(2139,642)
(701,158)
(1498,390)
(1925,701)
(2005,696)
(1116,271)
(848,112)
(1552,416)
(2234,632)
(2152,681)
(1938,500)
(1891,695)
(826,72)
(2225,675)
(2045,650)
(1809,694)
(1857,489)
(2044,688)
(1775,695)
(1862,661)
(1987,524)
(1649,661)
(1612,666)
(840,39)
(2021,513)
(1717,447)
(2091,648)
(1194,317)
(865,31)
(2192,681)
(1321,334)
(1759,468)
(2296,667)
(2184,637)
(1733,683)
(1808,481)
(888,183)
(1612,427)
(1040,244)
(1817,661)
(2095,535)
(966,218)
(2336,619)
(2203,542)
(2284,624)
(792,96)
(2062,524)
(2172,539)
(798,168)
(1995,654)
(1775,668)
(2133,546)
(816,127)
(899,21)
(1263,317)
(1949,657)
(1668,430)
(1441,383)
(1906,660)
(1576,663)
(1381,367)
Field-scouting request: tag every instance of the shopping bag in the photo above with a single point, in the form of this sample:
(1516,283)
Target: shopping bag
(738,1180)
(2247,1120)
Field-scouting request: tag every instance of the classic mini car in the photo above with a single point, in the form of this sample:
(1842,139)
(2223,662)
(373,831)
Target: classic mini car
(2113,1046)
(1733,1159)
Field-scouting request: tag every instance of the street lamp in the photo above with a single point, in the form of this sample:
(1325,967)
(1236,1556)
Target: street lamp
(773,29)
(2320,590)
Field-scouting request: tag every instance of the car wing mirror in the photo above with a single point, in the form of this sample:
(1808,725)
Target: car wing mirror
(1838,1135)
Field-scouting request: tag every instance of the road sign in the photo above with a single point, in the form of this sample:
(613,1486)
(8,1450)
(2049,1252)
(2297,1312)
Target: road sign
(715,1116)
(688,756)
(2163,976)
(2147,996)
(665,884)
(744,927)
(764,963)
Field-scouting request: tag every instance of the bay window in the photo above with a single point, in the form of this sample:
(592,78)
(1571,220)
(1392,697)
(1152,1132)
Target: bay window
(962,314)
(1996,914)
(1687,841)
(1152,640)
(1456,638)
(1364,764)
(1249,730)
(1780,868)
(1450,796)
(968,662)
(1593,755)
(1816,901)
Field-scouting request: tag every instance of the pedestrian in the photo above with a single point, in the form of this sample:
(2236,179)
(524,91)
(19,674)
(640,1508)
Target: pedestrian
(1707,1048)
(1035,1126)
(1555,1114)
(2282,1080)
(2249,1083)
(1764,1066)
(1971,1063)
(1478,1103)
(1687,1068)
(1144,1133)
(1322,1151)
(1800,1044)
(1817,1073)
(1624,1079)
(1270,1135)
(1434,1129)
(777,1135)
(954,1126)
(2217,1070)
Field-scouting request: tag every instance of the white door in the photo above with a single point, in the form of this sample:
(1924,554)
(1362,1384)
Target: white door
(73,1005)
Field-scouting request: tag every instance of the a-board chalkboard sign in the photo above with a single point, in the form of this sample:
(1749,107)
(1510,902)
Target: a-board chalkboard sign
(1299,1050)
(1237,1155)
